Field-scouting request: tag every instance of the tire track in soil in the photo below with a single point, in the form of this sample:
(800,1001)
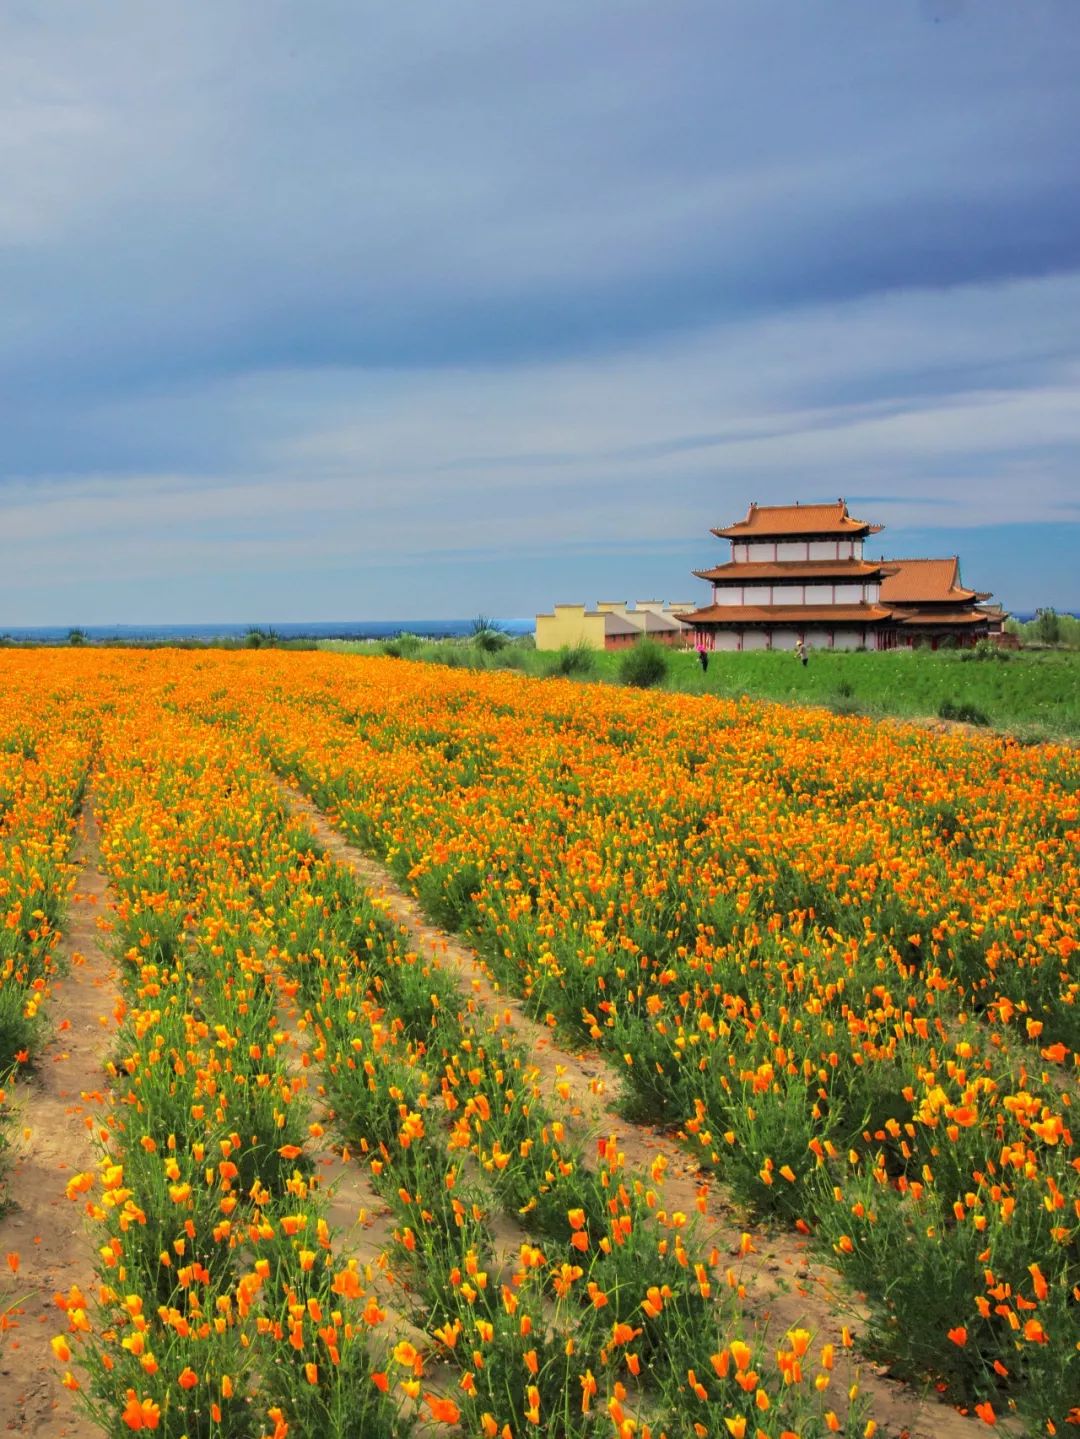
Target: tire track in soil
(42,1225)
(786,1287)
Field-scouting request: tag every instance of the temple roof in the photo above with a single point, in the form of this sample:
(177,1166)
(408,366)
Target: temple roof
(794,569)
(787,614)
(941,617)
(772,521)
(925,582)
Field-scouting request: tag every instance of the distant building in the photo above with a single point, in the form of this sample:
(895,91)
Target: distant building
(798,572)
(612,625)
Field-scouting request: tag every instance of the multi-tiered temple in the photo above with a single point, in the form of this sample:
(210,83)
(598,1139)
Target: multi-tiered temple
(797,572)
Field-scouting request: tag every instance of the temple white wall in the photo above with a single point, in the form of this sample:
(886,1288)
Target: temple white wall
(742,550)
(848,639)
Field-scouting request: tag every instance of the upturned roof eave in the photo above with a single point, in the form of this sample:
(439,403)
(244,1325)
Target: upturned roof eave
(787,614)
(795,569)
(846,530)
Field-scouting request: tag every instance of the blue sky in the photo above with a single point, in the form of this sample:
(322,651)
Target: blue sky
(357,310)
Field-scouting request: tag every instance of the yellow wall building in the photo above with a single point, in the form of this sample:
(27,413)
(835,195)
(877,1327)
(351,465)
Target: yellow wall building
(611,625)
(568,626)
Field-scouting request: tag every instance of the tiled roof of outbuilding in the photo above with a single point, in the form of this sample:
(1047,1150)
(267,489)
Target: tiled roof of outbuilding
(619,625)
(656,624)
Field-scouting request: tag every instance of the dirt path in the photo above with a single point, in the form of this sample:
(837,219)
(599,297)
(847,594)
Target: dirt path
(55,1106)
(785,1286)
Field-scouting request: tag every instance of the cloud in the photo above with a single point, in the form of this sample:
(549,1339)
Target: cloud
(230,187)
(288,291)
(659,441)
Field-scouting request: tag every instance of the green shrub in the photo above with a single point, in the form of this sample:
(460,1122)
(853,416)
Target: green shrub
(644,666)
(487,635)
(403,646)
(77,637)
(986,649)
(576,659)
(965,712)
(258,638)
(845,705)
(1048,626)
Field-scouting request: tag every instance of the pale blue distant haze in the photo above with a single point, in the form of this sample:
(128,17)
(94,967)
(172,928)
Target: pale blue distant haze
(420,310)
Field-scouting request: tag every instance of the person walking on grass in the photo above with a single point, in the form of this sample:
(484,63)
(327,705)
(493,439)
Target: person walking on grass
(703,659)
(801,653)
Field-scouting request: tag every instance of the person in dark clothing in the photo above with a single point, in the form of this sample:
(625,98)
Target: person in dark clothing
(703,659)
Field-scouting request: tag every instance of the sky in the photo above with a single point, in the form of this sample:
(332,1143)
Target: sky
(353,310)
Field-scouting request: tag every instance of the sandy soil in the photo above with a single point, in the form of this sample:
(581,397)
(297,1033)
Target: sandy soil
(55,1107)
(785,1286)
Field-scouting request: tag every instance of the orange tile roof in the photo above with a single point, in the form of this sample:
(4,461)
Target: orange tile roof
(793,569)
(924,581)
(786,614)
(941,617)
(764,520)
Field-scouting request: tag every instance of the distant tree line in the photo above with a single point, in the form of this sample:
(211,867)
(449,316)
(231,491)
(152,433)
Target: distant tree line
(1047,628)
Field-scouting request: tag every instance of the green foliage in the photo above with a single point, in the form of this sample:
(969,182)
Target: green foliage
(77,637)
(1048,626)
(986,650)
(572,660)
(404,646)
(17,1033)
(644,666)
(258,637)
(964,711)
(487,635)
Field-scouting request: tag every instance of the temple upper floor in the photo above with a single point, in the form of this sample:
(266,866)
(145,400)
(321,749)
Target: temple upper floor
(785,547)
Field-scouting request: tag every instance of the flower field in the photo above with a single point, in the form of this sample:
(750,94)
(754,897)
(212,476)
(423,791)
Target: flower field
(834,960)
